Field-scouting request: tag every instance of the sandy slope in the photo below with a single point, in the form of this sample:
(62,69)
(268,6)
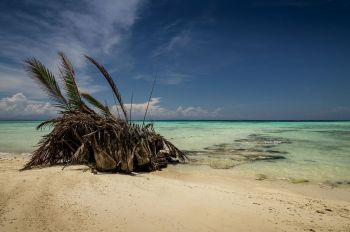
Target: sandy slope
(176,199)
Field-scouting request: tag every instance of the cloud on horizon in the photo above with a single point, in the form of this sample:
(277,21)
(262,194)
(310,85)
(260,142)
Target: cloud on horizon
(156,111)
(19,106)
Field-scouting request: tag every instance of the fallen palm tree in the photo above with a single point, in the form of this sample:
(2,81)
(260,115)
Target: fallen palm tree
(87,132)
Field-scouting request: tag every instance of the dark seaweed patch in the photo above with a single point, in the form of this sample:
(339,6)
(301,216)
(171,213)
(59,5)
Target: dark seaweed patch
(281,130)
(277,152)
(334,132)
(255,147)
(336,183)
(264,140)
(269,157)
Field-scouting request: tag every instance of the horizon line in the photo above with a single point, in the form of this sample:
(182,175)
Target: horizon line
(223,120)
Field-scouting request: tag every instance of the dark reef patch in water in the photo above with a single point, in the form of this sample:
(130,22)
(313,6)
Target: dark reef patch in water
(265,140)
(277,131)
(277,152)
(334,132)
(255,147)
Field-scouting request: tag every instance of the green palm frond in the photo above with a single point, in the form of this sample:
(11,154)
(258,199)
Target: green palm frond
(68,77)
(93,101)
(48,123)
(110,81)
(46,81)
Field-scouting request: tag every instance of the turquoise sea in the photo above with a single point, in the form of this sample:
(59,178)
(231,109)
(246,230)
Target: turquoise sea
(303,150)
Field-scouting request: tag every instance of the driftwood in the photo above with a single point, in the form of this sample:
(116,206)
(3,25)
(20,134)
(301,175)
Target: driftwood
(81,135)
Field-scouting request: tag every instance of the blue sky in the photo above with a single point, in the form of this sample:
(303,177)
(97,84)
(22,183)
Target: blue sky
(262,59)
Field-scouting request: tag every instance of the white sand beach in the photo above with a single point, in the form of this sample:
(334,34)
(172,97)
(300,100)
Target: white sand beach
(179,198)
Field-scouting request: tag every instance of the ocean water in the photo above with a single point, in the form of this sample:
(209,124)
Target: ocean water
(294,151)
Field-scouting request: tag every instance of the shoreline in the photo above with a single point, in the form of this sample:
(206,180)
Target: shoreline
(179,198)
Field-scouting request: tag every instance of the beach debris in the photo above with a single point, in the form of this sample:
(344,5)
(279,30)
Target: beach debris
(320,212)
(299,181)
(87,132)
(333,184)
(261,177)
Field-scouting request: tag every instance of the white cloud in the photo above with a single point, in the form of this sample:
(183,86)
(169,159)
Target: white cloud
(156,111)
(180,40)
(173,25)
(18,106)
(94,27)
(172,78)
(197,112)
(15,80)
(85,84)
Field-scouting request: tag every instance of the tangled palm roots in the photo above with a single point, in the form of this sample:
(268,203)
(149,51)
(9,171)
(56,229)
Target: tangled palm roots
(102,140)
(107,144)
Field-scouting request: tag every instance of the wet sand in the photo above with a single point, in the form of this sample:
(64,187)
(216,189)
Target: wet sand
(179,198)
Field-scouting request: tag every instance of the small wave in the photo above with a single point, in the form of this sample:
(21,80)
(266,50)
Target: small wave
(12,154)
(5,154)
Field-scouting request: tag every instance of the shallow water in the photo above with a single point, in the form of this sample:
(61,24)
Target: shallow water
(294,151)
